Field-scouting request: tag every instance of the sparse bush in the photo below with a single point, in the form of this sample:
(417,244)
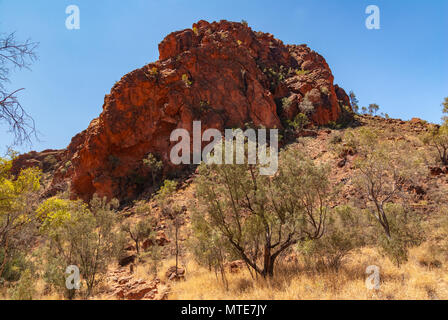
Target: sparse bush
(18,200)
(445,106)
(300,122)
(25,288)
(405,231)
(154,254)
(186,80)
(165,199)
(382,169)
(373,109)
(154,165)
(437,138)
(259,217)
(344,233)
(139,232)
(301,72)
(336,139)
(208,248)
(306,106)
(354,102)
(286,103)
(50,161)
(81,236)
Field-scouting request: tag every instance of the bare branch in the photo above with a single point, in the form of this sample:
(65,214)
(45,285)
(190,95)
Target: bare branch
(15,55)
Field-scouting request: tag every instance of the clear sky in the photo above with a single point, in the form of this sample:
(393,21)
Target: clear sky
(403,67)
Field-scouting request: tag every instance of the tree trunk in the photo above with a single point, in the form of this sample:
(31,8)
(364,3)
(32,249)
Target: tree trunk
(268,266)
(177,245)
(5,258)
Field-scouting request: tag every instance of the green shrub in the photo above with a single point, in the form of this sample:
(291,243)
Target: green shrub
(300,122)
(25,288)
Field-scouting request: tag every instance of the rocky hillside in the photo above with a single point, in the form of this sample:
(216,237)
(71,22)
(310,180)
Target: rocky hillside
(223,74)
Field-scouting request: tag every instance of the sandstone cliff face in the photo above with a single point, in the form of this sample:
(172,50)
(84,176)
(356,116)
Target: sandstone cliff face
(223,74)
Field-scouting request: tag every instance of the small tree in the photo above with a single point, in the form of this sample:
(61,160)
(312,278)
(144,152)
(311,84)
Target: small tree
(154,165)
(300,122)
(364,110)
(445,105)
(345,231)
(373,108)
(25,289)
(383,168)
(139,232)
(81,236)
(165,199)
(208,248)
(354,102)
(18,200)
(437,138)
(260,217)
(406,232)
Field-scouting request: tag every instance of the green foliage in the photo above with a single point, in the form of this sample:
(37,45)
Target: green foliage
(140,231)
(5,167)
(406,232)
(54,212)
(142,208)
(186,80)
(336,139)
(346,118)
(324,90)
(445,106)
(83,236)
(354,101)
(171,210)
(166,192)
(364,110)
(50,161)
(16,264)
(18,200)
(300,122)
(373,108)
(54,274)
(259,217)
(382,168)
(152,73)
(286,103)
(155,255)
(344,232)
(437,138)
(345,144)
(154,165)
(300,72)
(25,288)
(208,247)
(276,76)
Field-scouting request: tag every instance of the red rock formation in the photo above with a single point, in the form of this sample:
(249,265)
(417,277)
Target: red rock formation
(46,160)
(221,73)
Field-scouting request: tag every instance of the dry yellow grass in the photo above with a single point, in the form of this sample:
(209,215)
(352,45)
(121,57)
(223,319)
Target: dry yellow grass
(411,281)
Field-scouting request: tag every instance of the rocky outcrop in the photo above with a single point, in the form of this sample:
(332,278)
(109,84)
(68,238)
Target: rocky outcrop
(223,74)
(124,287)
(47,161)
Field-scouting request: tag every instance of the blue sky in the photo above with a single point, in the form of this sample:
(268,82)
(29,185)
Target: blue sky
(403,67)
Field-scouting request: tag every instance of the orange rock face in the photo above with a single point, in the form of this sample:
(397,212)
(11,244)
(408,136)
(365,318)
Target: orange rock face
(223,74)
